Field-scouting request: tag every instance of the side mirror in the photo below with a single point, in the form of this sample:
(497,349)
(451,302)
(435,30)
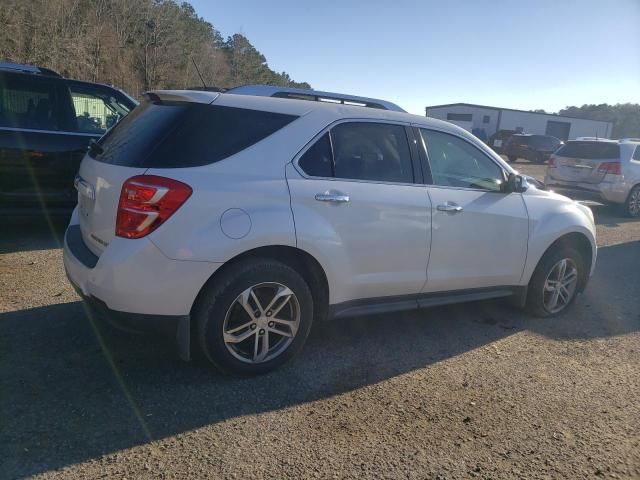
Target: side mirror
(514,183)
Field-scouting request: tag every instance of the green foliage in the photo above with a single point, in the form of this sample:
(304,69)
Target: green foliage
(625,117)
(137,45)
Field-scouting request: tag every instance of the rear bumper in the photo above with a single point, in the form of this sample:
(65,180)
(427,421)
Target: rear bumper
(605,191)
(134,286)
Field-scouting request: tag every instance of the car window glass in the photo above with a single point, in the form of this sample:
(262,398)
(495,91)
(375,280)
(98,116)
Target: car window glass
(636,154)
(27,102)
(456,163)
(371,151)
(317,161)
(96,110)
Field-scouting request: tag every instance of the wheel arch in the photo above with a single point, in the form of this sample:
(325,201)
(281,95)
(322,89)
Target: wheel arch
(580,242)
(301,261)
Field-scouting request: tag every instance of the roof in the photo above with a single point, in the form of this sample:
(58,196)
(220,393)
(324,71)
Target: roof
(328,111)
(328,97)
(19,67)
(511,110)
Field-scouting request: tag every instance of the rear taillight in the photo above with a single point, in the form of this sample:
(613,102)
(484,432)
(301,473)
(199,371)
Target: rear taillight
(551,163)
(146,201)
(610,168)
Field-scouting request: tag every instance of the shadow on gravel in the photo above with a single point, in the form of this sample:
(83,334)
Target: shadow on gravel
(26,234)
(64,401)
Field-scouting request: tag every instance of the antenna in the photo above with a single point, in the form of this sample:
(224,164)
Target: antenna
(197,70)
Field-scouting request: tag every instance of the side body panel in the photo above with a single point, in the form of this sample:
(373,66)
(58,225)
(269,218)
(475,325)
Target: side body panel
(552,216)
(483,245)
(376,245)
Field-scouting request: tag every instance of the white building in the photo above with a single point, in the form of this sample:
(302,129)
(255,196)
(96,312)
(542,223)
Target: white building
(493,119)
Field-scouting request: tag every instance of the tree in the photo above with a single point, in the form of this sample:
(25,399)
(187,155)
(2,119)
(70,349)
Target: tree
(625,117)
(137,45)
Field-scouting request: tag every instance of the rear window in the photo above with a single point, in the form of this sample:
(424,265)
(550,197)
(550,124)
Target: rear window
(173,135)
(589,150)
(540,141)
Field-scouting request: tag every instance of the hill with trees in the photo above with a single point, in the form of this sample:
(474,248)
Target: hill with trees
(136,45)
(625,117)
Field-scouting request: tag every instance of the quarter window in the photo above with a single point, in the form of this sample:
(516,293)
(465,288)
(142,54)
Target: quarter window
(371,151)
(636,154)
(28,103)
(317,161)
(456,163)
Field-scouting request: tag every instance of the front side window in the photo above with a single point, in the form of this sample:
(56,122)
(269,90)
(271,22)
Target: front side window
(371,151)
(28,102)
(456,163)
(96,111)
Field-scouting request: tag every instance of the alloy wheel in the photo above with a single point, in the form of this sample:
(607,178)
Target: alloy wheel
(560,285)
(261,322)
(634,203)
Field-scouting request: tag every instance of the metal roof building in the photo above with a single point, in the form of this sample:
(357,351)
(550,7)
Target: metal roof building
(492,119)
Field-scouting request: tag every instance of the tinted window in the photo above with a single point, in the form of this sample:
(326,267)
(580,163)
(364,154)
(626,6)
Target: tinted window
(96,109)
(636,154)
(317,161)
(170,135)
(589,150)
(28,102)
(544,142)
(371,151)
(456,163)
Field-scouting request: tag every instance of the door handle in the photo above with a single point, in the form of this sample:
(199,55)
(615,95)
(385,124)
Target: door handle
(332,196)
(450,207)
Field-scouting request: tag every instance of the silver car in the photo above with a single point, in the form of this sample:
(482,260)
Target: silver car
(602,170)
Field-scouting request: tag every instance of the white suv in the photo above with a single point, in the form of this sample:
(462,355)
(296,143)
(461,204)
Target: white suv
(596,169)
(235,221)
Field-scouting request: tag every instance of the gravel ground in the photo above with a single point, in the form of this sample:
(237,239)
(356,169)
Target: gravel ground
(476,390)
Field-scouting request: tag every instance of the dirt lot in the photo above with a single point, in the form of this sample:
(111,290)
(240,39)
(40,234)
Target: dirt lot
(477,390)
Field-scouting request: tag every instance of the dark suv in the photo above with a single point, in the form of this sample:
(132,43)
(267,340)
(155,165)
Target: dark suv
(535,148)
(46,124)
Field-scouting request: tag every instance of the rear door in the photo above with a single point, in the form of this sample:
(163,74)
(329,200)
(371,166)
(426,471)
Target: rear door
(479,234)
(358,207)
(580,161)
(39,148)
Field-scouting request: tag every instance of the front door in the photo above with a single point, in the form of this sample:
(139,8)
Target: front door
(357,209)
(479,234)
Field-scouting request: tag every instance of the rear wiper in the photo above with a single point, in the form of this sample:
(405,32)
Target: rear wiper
(94,148)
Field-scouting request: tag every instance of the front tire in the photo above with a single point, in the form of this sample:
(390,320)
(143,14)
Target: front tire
(254,318)
(556,282)
(632,205)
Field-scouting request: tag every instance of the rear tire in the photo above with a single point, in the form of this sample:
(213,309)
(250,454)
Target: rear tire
(512,159)
(238,343)
(551,280)
(631,206)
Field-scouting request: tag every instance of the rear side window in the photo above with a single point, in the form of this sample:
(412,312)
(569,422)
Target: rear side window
(636,154)
(589,150)
(96,110)
(174,135)
(371,151)
(28,102)
(377,152)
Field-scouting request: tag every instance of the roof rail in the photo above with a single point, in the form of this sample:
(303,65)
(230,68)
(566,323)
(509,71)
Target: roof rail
(18,67)
(313,95)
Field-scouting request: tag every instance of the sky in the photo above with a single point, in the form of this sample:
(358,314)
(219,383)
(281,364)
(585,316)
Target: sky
(507,53)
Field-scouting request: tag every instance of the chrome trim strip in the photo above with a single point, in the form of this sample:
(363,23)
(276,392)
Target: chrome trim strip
(55,132)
